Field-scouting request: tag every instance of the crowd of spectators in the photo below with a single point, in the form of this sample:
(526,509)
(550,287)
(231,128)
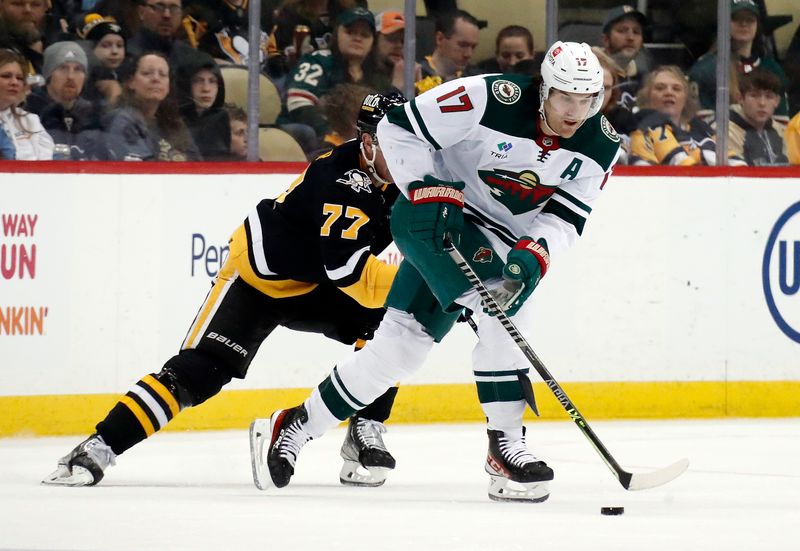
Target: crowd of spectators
(144,79)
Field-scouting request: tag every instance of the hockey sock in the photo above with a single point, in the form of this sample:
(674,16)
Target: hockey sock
(380,409)
(397,350)
(144,410)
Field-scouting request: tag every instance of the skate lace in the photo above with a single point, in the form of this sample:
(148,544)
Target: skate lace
(369,433)
(516,452)
(293,440)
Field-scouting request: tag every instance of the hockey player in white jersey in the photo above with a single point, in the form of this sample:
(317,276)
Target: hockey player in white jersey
(510,168)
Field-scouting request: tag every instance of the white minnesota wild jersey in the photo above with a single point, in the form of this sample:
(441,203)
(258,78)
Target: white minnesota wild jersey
(482,130)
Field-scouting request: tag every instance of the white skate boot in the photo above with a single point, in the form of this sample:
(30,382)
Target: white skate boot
(367,462)
(83,466)
(516,475)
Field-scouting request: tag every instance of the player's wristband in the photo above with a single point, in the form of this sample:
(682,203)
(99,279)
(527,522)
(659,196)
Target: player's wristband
(539,251)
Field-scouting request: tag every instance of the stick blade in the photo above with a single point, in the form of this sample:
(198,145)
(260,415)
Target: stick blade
(645,481)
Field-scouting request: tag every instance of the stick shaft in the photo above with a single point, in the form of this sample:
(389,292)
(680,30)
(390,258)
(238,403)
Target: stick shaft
(623,476)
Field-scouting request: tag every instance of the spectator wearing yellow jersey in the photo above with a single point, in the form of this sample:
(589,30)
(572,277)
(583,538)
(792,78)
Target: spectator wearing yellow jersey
(668,133)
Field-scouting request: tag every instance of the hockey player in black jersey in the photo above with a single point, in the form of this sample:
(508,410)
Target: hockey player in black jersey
(306,261)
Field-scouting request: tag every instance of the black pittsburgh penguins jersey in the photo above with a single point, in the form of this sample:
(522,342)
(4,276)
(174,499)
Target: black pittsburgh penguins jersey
(329,226)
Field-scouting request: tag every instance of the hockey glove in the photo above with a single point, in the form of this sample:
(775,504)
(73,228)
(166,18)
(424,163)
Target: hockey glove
(525,266)
(438,212)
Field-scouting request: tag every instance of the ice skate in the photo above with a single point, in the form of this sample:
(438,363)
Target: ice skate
(275,444)
(367,462)
(516,475)
(83,466)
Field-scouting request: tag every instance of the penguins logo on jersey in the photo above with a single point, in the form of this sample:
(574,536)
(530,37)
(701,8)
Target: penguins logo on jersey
(518,191)
(357,180)
(506,91)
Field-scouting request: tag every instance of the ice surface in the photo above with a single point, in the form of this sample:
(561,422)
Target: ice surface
(195,491)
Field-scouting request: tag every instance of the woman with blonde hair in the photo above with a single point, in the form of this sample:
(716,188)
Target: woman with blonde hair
(668,132)
(24,130)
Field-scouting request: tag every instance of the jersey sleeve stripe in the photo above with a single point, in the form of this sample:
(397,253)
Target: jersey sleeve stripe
(424,129)
(349,267)
(574,200)
(564,213)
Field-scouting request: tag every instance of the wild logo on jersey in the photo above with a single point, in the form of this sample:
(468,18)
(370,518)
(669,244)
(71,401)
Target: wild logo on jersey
(518,191)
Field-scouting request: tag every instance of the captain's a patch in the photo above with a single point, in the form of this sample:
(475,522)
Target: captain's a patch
(357,180)
(506,91)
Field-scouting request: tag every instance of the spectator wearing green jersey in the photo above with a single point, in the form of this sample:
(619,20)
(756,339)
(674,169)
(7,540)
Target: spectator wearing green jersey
(348,60)
(748,52)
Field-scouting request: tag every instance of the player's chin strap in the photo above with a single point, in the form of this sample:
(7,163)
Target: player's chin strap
(373,172)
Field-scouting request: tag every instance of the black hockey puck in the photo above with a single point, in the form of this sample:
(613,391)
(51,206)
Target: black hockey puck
(612,511)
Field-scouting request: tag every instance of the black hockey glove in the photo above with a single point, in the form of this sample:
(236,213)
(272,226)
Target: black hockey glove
(438,212)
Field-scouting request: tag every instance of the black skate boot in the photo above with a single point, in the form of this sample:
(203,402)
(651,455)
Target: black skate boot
(516,475)
(275,444)
(84,465)
(367,462)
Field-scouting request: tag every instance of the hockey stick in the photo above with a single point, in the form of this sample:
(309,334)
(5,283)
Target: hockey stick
(629,481)
(524,380)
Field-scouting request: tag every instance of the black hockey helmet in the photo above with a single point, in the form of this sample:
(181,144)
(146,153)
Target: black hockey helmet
(373,108)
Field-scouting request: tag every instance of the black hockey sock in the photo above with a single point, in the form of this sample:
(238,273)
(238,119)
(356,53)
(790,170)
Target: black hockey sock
(381,408)
(144,410)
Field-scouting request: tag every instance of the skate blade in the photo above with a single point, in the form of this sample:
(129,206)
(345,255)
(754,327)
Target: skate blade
(354,474)
(260,431)
(63,477)
(503,489)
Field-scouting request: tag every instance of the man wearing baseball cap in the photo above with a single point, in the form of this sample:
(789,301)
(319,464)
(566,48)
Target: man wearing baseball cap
(68,118)
(747,53)
(623,40)
(390,38)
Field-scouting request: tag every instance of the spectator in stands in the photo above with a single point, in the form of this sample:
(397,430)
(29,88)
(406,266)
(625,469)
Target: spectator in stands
(623,41)
(388,49)
(238,122)
(160,21)
(753,133)
(792,139)
(619,116)
(341,109)
(301,27)
(668,133)
(202,95)
(72,122)
(29,139)
(21,28)
(513,44)
(221,29)
(147,126)
(747,53)
(106,46)
(349,60)
(456,37)
(124,12)
(7,150)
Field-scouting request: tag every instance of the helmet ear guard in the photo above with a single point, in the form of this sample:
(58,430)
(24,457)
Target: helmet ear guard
(373,109)
(572,67)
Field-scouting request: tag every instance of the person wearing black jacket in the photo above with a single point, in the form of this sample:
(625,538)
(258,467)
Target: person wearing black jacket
(71,120)
(201,95)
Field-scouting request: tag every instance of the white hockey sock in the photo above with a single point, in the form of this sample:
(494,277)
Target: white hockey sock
(506,417)
(398,349)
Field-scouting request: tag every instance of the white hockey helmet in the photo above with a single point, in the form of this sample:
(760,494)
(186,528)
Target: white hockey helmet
(572,67)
